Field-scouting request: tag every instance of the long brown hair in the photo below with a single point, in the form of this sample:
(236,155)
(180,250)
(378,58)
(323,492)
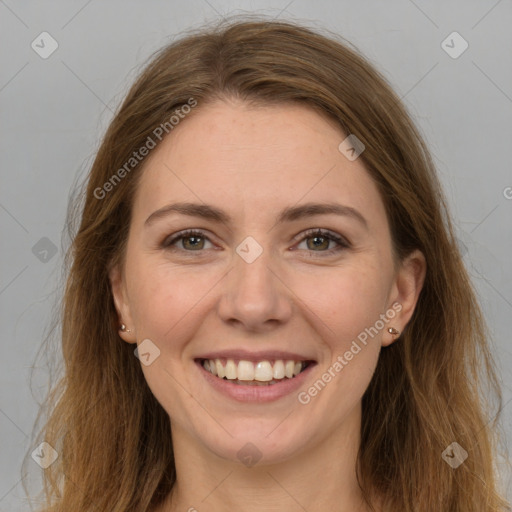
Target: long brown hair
(434,386)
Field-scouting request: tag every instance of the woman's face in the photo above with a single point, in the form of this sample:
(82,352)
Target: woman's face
(260,288)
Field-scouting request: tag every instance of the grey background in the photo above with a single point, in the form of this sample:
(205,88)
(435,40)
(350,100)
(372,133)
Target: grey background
(55,110)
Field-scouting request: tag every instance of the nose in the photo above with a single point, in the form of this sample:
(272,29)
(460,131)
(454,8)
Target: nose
(255,296)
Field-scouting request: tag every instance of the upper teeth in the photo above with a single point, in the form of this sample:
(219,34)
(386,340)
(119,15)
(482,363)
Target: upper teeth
(247,370)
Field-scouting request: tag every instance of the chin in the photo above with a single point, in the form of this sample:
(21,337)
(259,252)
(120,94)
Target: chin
(259,442)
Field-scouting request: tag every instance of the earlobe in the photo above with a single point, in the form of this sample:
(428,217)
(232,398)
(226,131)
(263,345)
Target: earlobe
(125,323)
(408,285)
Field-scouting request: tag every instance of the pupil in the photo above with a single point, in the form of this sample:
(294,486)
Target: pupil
(316,238)
(196,238)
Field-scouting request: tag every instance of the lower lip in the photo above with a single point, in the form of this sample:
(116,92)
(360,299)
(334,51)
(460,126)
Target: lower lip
(243,393)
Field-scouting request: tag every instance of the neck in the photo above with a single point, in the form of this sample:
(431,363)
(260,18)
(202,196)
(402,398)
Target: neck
(320,477)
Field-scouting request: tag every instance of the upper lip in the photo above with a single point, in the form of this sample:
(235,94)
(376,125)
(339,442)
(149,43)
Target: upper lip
(246,355)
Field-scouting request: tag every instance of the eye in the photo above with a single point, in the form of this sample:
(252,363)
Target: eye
(192,240)
(321,240)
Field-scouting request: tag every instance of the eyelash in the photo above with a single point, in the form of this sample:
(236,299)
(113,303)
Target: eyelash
(342,243)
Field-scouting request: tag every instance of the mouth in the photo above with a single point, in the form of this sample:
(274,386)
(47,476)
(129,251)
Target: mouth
(266,372)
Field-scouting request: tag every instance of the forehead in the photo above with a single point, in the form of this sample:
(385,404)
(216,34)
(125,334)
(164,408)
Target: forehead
(254,160)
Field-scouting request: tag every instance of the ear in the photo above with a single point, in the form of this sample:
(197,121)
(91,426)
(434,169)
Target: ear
(121,303)
(406,289)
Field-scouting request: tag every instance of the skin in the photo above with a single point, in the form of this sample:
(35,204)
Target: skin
(253,162)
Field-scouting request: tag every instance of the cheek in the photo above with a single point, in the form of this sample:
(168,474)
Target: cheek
(345,300)
(346,304)
(160,293)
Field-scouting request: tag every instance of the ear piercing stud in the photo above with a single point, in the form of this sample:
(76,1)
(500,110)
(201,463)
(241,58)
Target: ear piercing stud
(124,329)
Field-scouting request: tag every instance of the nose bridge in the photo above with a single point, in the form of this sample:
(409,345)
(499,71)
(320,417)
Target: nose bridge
(253,294)
(252,266)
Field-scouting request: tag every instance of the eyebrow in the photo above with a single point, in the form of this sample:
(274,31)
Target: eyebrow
(289,214)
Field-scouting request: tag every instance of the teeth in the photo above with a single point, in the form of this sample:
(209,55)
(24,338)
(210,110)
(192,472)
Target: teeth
(221,373)
(288,369)
(263,371)
(231,370)
(247,371)
(278,370)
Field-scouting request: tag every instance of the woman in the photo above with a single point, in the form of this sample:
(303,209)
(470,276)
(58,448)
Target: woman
(266,308)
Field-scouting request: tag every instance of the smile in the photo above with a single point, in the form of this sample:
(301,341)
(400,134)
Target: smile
(260,380)
(249,373)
